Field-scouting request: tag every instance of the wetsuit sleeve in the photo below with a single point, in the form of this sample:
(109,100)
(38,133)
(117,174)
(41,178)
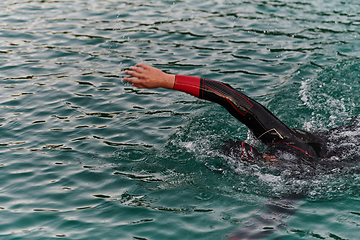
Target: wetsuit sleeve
(187,84)
(256,117)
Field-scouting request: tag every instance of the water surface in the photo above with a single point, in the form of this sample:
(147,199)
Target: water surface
(85,155)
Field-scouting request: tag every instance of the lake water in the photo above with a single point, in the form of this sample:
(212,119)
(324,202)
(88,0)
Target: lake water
(84,155)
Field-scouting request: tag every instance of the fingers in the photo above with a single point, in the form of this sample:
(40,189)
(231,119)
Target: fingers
(132,80)
(138,75)
(140,67)
(137,69)
(135,82)
(143,65)
(126,79)
(134,73)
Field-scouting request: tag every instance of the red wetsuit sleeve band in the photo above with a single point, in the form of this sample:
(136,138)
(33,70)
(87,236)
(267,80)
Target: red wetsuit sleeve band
(187,84)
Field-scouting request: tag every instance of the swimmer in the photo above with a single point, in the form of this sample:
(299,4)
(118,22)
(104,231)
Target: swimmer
(265,126)
(312,148)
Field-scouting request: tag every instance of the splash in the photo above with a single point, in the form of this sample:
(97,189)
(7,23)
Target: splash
(332,97)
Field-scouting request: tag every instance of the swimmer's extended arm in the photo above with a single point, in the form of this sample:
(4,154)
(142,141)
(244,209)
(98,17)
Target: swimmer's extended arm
(261,121)
(266,126)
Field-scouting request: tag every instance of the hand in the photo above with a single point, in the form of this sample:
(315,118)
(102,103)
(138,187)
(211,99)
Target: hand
(144,76)
(270,158)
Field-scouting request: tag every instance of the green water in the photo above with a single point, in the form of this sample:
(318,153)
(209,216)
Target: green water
(83,155)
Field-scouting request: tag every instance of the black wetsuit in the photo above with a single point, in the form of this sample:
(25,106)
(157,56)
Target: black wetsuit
(265,125)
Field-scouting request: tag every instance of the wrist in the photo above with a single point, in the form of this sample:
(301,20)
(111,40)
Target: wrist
(169,81)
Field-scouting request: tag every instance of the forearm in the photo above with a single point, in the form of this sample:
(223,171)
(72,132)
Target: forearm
(235,102)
